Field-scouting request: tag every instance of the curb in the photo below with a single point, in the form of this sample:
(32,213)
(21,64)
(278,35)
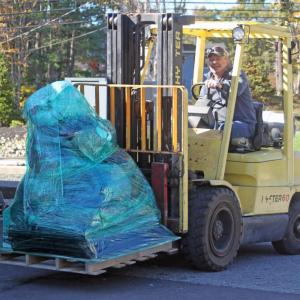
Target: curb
(12,162)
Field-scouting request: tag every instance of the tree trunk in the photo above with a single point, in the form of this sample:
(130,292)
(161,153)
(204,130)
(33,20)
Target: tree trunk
(71,58)
(48,76)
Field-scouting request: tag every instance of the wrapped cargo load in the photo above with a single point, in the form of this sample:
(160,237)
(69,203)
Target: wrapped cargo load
(81,196)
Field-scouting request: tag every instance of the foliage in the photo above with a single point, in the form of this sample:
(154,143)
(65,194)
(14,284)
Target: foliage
(17,123)
(50,40)
(26,91)
(244,10)
(66,54)
(259,56)
(258,65)
(8,109)
(45,41)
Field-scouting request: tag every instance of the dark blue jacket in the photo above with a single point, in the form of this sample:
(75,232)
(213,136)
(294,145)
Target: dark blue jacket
(244,108)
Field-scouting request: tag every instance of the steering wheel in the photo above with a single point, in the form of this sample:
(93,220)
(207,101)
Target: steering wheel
(196,88)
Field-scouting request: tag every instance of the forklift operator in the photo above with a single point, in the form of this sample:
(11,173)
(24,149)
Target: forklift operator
(217,86)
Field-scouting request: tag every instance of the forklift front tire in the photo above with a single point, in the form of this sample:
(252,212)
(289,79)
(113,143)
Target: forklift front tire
(215,225)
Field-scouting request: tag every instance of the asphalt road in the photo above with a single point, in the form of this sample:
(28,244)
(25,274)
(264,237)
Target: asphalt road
(258,273)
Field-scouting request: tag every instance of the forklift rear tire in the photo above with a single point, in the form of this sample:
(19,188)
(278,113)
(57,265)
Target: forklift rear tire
(215,226)
(290,244)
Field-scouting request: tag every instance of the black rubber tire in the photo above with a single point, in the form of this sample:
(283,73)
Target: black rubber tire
(205,246)
(290,244)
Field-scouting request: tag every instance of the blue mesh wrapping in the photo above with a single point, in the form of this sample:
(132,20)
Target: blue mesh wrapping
(82,196)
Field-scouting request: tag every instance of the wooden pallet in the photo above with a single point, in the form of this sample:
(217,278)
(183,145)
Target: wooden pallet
(78,266)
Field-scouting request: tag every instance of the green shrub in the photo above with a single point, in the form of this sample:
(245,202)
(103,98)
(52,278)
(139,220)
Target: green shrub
(16,123)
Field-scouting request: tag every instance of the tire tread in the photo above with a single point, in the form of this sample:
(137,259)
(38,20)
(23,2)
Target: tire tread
(194,247)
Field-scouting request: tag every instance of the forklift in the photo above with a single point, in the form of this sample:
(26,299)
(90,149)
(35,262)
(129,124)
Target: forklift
(215,199)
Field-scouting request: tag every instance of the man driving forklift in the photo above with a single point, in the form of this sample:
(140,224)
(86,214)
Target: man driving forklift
(216,88)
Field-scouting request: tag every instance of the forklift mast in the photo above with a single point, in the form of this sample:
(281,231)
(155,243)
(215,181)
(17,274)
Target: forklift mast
(126,43)
(126,56)
(151,126)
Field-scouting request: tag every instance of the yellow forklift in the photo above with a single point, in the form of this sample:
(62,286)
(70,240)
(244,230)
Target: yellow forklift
(216,200)
(243,197)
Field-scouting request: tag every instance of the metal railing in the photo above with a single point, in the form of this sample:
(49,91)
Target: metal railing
(123,94)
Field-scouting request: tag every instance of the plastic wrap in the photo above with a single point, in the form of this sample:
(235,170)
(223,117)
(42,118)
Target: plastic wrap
(82,196)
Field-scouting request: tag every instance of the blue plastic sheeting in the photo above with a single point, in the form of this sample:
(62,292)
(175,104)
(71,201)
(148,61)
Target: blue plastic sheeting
(82,196)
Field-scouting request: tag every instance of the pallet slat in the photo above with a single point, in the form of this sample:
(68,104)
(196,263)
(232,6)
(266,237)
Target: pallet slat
(31,260)
(79,266)
(9,256)
(137,256)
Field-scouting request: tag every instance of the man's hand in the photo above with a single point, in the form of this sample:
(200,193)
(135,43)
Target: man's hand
(213,84)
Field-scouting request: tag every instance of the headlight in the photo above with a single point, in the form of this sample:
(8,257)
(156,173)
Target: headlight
(238,33)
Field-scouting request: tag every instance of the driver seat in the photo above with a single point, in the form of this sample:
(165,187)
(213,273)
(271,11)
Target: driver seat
(202,117)
(261,136)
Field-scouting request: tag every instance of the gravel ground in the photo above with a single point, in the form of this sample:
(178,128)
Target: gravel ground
(12,142)
(12,153)
(10,132)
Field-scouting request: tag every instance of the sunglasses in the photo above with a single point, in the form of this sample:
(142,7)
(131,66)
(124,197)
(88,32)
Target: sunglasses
(216,50)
